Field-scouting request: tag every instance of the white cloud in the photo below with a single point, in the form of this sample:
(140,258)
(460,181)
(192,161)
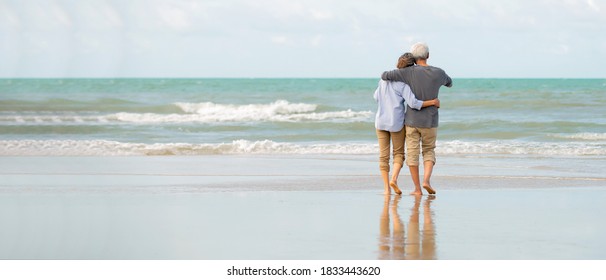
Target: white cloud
(321,15)
(112,17)
(174,17)
(219,34)
(60,16)
(593,5)
(280,40)
(283,10)
(8,17)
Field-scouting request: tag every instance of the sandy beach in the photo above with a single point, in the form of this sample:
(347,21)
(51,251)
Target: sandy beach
(275,207)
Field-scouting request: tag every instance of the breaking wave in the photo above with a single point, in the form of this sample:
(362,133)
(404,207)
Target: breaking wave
(206,112)
(114,148)
(582,136)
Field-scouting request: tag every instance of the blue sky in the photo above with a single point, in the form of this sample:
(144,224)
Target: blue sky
(300,38)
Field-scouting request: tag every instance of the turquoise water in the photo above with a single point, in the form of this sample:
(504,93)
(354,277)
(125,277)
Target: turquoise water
(537,117)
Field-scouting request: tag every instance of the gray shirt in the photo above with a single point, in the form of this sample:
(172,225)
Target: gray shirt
(425,82)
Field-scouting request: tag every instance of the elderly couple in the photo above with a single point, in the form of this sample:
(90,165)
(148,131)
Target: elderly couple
(416,86)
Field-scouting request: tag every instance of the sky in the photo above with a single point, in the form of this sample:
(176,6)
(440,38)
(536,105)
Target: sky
(300,38)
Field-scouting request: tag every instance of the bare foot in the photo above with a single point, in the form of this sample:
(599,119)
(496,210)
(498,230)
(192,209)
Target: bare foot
(429,189)
(387,191)
(394,185)
(417,192)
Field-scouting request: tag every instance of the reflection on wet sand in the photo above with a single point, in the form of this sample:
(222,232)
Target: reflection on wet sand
(419,243)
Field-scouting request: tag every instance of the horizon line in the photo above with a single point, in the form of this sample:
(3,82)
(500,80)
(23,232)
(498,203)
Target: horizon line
(160,77)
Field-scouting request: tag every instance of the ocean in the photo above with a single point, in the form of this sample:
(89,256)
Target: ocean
(109,117)
(161,169)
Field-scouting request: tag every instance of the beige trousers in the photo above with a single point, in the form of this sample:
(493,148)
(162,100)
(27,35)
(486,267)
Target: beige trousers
(418,138)
(397,140)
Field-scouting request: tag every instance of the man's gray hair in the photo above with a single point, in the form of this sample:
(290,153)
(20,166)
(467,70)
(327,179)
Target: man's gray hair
(420,51)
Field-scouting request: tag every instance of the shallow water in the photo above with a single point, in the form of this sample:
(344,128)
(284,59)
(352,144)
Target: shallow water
(479,224)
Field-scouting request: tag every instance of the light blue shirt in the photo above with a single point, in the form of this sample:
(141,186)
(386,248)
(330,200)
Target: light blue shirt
(390,97)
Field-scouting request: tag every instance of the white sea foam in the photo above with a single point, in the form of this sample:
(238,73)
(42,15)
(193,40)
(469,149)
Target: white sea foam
(62,119)
(206,112)
(509,147)
(280,110)
(226,116)
(279,107)
(113,148)
(582,136)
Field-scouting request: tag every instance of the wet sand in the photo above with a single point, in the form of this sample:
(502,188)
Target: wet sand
(288,208)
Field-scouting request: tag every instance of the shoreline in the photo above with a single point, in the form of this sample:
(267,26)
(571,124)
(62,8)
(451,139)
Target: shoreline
(276,173)
(320,208)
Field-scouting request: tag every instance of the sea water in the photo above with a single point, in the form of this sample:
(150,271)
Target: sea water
(170,168)
(505,119)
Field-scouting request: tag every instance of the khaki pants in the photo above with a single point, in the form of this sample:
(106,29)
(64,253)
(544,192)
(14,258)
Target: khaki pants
(397,140)
(418,138)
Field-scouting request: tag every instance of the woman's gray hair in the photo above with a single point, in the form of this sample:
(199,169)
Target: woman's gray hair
(405,60)
(420,51)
